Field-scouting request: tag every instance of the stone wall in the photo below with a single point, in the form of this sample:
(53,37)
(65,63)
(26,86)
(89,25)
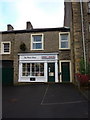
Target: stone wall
(78,33)
(11,38)
(51,44)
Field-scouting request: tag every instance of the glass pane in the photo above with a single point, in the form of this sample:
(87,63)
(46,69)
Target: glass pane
(41,69)
(89,10)
(24,69)
(34,45)
(23,64)
(37,38)
(6,47)
(33,68)
(28,69)
(89,27)
(88,4)
(42,74)
(38,46)
(64,44)
(37,69)
(64,36)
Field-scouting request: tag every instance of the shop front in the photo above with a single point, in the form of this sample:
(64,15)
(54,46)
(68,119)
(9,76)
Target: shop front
(38,67)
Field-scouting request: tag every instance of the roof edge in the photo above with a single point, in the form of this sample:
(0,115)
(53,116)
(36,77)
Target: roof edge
(38,30)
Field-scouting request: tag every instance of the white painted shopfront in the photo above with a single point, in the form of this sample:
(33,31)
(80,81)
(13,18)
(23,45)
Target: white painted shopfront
(38,67)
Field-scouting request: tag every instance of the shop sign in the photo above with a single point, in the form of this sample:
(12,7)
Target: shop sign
(39,57)
(30,57)
(48,57)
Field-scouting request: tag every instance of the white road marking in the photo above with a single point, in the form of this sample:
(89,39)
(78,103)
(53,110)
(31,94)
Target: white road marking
(72,102)
(44,94)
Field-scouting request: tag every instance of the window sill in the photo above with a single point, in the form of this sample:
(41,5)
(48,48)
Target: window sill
(5,53)
(64,48)
(31,76)
(37,49)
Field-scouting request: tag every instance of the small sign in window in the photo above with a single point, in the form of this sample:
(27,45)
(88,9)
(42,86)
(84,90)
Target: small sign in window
(51,74)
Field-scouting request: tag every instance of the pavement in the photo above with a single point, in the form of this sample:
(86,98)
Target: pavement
(44,101)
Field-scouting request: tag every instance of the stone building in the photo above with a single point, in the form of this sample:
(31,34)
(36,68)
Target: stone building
(78,19)
(36,55)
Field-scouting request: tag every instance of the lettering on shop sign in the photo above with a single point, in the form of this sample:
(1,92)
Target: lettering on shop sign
(29,57)
(48,57)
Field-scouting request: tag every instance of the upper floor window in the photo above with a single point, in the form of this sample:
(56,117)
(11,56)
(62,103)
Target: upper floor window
(64,40)
(37,42)
(5,47)
(89,7)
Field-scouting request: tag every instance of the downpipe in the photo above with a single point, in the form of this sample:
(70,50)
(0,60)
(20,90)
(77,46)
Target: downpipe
(84,49)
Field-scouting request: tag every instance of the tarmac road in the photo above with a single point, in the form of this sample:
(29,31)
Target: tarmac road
(43,101)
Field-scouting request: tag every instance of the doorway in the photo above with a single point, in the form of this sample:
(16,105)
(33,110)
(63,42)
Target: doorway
(65,69)
(51,72)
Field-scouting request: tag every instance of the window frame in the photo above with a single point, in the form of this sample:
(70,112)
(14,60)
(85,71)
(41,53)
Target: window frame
(88,6)
(61,40)
(31,74)
(2,47)
(89,27)
(42,41)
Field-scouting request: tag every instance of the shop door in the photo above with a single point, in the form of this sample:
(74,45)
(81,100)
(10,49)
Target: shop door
(65,68)
(51,72)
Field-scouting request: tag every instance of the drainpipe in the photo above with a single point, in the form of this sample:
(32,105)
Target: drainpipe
(84,53)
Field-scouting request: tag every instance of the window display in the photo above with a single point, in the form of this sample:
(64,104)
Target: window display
(32,69)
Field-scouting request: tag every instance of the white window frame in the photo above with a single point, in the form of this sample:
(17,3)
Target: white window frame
(42,41)
(60,40)
(2,47)
(34,69)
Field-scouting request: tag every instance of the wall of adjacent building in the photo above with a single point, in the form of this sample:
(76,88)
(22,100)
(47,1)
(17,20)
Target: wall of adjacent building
(75,24)
(10,38)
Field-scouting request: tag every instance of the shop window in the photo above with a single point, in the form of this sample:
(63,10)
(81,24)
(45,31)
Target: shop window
(37,42)
(64,41)
(5,47)
(32,69)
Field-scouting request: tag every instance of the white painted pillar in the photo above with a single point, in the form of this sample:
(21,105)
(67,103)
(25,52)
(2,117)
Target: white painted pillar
(56,71)
(46,71)
(70,72)
(20,71)
(60,71)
